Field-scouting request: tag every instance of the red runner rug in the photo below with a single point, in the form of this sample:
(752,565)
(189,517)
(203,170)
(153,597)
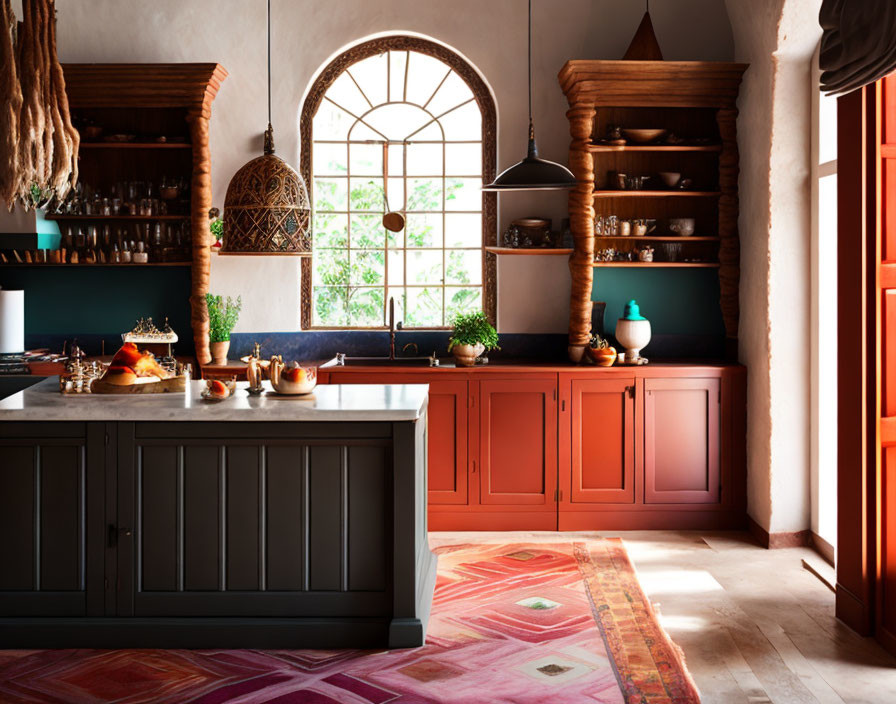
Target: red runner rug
(554,623)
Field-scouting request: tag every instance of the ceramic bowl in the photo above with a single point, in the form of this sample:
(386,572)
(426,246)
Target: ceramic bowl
(684,227)
(208,395)
(303,385)
(670,178)
(643,136)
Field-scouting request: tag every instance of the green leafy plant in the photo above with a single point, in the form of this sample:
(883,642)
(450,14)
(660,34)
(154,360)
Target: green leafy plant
(222,316)
(217,228)
(473,329)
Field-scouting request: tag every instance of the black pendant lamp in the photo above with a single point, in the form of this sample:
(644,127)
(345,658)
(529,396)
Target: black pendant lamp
(266,210)
(533,173)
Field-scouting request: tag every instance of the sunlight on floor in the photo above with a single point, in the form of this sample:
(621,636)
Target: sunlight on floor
(656,582)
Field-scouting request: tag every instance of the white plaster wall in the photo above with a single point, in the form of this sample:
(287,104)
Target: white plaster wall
(777,37)
(533,295)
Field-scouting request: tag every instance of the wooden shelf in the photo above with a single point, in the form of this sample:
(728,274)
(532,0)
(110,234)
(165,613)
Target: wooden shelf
(136,145)
(528,251)
(660,238)
(597,148)
(656,194)
(657,265)
(79,264)
(129,218)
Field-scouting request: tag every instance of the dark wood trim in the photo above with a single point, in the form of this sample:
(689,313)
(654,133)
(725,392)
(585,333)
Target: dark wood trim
(486,104)
(857,367)
(823,548)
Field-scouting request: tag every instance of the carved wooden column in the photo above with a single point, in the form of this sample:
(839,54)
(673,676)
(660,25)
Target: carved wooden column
(729,241)
(581,223)
(201,202)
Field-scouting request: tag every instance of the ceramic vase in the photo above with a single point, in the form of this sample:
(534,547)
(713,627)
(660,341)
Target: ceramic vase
(219,351)
(466,355)
(634,336)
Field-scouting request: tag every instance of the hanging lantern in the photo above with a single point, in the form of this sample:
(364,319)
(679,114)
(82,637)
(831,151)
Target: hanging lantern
(266,209)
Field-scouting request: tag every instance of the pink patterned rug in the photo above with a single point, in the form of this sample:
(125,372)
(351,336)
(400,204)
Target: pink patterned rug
(558,623)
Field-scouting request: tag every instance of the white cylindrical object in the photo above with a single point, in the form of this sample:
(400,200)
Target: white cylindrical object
(12,322)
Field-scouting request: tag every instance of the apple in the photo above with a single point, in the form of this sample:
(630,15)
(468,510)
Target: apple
(295,375)
(218,389)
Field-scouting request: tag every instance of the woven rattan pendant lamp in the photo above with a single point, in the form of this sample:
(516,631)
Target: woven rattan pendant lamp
(266,210)
(532,173)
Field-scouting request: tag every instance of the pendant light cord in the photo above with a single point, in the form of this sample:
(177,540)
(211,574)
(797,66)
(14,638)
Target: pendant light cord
(533,150)
(269,62)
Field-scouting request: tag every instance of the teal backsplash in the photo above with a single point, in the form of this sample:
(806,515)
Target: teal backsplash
(84,300)
(675,301)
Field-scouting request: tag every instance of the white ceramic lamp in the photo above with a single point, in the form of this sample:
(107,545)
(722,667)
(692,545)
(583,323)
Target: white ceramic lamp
(633,332)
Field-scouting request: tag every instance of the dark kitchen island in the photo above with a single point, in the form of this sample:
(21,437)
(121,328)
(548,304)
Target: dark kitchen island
(166,521)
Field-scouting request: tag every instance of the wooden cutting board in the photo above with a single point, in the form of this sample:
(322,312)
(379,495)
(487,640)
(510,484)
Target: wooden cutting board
(163,386)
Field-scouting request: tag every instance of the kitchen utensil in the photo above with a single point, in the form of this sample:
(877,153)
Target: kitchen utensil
(671,251)
(294,380)
(643,227)
(643,135)
(684,227)
(670,178)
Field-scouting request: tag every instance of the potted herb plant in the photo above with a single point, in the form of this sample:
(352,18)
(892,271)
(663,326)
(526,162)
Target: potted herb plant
(222,317)
(472,335)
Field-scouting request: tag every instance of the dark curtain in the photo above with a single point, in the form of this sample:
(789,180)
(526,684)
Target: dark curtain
(859,43)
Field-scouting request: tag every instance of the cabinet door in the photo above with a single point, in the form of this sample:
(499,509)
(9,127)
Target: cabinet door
(681,441)
(219,522)
(602,461)
(47,485)
(518,442)
(446,430)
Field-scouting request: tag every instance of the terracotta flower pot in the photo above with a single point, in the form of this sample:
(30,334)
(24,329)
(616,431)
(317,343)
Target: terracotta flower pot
(465,355)
(219,351)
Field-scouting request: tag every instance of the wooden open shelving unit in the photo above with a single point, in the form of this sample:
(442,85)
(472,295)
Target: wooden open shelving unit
(695,100)
(150,101)
(529,251)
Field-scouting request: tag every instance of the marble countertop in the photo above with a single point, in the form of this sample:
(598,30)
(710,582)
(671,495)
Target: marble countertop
(328,402)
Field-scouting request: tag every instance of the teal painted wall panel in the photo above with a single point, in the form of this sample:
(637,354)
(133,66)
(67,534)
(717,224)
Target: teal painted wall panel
(100,300)
(676,301)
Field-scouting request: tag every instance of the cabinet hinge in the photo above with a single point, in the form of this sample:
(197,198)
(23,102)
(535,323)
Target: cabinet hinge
(558,495)
(555,394)
(473,462)
(631,391)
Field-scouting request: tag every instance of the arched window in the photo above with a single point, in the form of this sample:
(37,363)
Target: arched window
(404,124)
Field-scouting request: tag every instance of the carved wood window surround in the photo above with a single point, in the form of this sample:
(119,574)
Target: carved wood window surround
(365,138)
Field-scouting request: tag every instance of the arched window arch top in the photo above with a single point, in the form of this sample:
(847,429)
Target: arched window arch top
(406,120)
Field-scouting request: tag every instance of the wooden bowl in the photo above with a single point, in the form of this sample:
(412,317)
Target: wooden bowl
(643,136)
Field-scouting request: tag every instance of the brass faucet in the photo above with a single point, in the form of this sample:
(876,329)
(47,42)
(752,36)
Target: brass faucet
(392,328)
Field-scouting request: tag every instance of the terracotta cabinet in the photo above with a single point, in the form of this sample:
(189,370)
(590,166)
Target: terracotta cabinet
(681,441)
(517,442)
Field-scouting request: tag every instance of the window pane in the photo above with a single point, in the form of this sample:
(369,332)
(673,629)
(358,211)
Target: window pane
(396,268)
(463,194)
(399,296)
(463,230)
(463,266)
(368,232)
(331,122)
(396,159)
(424,75)
(330,231)
(424,194)
(329,159)
(397,65)
(396,193)
(371,75)
(463,123)
(365,307)
(424,307)
(463,159)
(367,194)
(396,121)
(366,159)
(346,95)
(330,267)
(368,267)
(452,93)
(424,266)
(330,194)
(330,306)
(425,159)
(461,300)
(424,230)
(431,133)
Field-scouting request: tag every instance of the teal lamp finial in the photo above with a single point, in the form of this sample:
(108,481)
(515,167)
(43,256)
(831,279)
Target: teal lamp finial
(632,311)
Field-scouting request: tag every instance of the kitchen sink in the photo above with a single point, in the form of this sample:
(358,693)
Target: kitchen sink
(343,361)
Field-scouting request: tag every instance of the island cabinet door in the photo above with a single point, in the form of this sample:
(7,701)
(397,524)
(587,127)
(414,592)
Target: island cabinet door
(682,441)
(224,523)
(518,442)
(51,489)
(600,442)
(446,431)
